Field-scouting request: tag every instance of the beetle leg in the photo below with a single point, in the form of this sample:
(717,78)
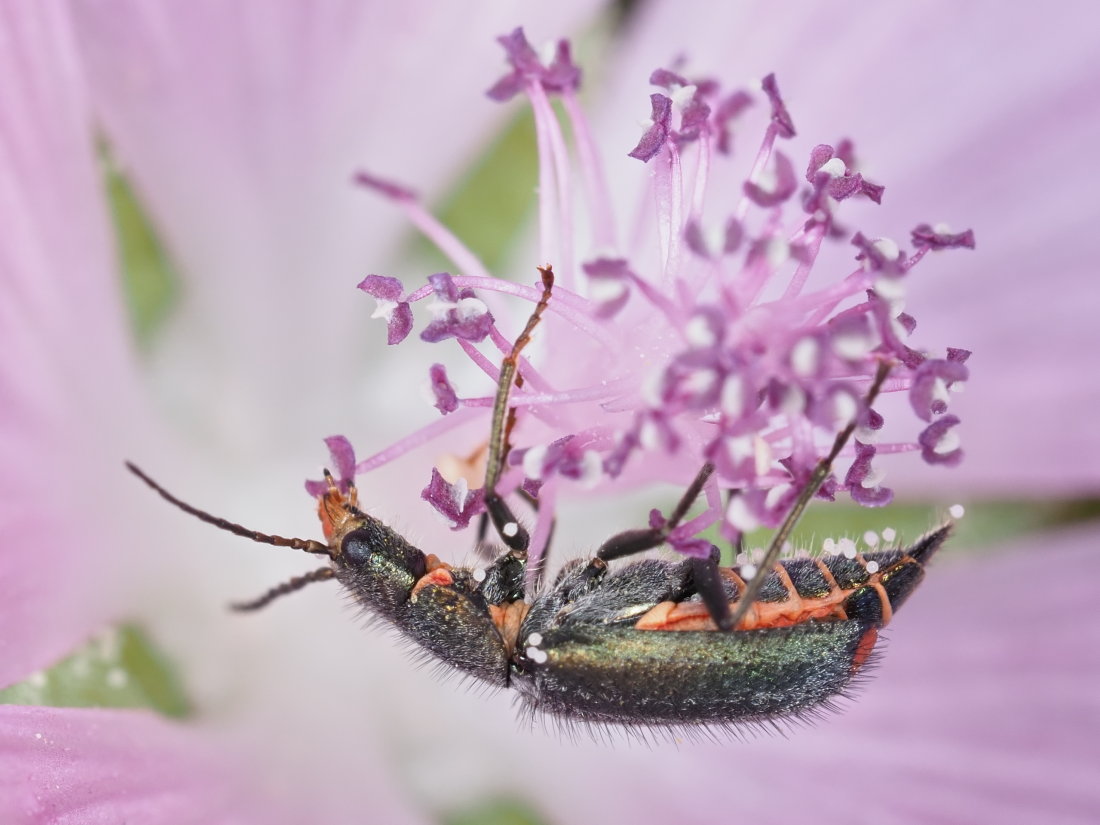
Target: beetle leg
(709,585)
(630,542)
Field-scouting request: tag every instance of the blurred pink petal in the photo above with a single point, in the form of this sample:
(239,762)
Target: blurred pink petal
(977,115)
(66,377)
(241,127)
(68,765)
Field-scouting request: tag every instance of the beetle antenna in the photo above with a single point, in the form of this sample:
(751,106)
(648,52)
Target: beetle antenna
(498,433)
(817,478)
(309,545)
(297,583)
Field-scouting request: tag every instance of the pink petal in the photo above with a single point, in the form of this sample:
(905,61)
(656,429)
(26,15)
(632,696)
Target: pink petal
(960,126)
(241,128)
(67,389)
(68,765)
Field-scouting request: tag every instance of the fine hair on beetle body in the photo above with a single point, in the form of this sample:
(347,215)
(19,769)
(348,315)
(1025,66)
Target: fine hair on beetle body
(605,644)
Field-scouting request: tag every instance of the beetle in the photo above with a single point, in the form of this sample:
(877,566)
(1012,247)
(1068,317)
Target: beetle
(672,645)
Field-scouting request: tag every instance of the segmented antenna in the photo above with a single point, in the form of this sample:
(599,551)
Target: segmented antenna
(297,583)
(817,478)
(309,545)
(498,433)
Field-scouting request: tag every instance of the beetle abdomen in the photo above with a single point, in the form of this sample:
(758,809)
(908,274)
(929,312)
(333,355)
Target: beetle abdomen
(616,674)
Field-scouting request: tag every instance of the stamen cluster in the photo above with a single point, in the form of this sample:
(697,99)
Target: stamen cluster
(703,340)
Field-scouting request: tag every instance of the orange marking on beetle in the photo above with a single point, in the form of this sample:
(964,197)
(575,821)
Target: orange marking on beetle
(508,618)
(731,574)
(887,608)
(827,574)
(864,647)
(440,576)
(695,616)
(433,563)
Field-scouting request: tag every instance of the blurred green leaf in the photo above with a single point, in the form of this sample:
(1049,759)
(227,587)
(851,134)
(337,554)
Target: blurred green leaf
(495,199)
(118,669)
(498,811)
(148,279)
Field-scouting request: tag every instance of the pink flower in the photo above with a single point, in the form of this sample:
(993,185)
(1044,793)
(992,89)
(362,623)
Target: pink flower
(995,686)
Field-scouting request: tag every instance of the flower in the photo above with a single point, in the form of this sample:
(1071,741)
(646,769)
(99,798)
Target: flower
(1004,729)
(709,346)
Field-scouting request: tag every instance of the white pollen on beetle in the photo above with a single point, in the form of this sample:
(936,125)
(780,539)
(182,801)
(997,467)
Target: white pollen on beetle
(787,547)
(535,639)
(835,167)
(956,511)
(479,574)
(748,572)
(889,534)
(872,567)
(829,546)
(537,655)
(870,538)
(847,548)
(510,529)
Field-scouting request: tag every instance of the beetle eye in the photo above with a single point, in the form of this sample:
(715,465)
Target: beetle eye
(356,547)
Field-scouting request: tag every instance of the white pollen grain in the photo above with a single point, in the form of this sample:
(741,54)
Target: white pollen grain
(847,548)
(479,575)
(872,567)
(38,736)
(537,655)
(748,572)
(535,639)
(870,538)
(957,511)
(835,167)
(805,356)
(700,333)
(37,679)
(510,529)
(888,248)
(889,534)
(829,546)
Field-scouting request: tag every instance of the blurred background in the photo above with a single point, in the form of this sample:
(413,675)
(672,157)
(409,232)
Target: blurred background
(181,254)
